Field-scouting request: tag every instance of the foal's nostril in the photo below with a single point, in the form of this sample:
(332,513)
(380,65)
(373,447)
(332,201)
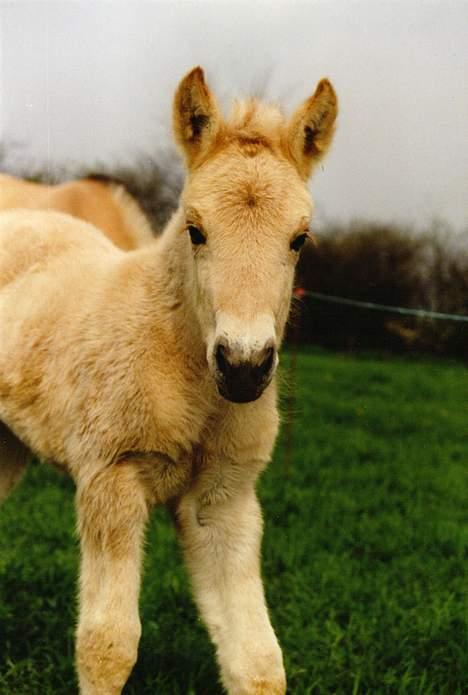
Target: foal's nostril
(265,367)
(221,361)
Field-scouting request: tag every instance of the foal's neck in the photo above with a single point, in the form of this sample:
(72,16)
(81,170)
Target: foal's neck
(164,273)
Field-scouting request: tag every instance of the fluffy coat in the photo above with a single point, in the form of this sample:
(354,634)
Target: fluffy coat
(110,368)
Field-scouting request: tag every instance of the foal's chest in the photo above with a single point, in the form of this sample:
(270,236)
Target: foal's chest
(178,400)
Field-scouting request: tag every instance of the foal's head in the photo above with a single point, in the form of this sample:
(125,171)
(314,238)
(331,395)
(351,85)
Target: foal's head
(247,211)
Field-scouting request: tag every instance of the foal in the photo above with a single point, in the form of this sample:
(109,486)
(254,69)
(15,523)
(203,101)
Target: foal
(149,376)
(103,203)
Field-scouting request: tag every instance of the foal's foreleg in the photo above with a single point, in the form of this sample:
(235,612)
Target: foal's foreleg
(13,459)
(112,512)
(222,547)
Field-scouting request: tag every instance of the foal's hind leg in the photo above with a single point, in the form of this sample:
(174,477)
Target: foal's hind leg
(13,460)
(112,512)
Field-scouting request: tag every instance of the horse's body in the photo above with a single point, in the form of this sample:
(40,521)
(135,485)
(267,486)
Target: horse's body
(103,203)
(149,376)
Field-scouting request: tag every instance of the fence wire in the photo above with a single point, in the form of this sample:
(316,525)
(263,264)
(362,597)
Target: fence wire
(422,313)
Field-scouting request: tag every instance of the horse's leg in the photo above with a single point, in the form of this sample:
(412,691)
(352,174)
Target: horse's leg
(221,541)
(13,459)
(112,511)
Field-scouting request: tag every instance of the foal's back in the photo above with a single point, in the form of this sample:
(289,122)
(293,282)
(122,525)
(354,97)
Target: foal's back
(104,204)
(31,239)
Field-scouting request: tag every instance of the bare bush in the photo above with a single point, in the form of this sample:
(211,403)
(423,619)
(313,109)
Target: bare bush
(389,265)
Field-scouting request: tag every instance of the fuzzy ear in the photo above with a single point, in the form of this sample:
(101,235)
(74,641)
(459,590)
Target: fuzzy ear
(196,119)
(311,128)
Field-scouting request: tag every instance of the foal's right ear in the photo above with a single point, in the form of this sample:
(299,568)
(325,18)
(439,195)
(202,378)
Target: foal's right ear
(196,119)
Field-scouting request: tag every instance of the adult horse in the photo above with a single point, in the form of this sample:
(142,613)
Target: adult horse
(149,376)
(102,202)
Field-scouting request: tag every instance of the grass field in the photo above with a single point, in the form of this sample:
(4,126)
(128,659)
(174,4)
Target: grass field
(365,552)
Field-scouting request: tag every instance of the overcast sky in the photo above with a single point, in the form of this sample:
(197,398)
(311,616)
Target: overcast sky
(93,81)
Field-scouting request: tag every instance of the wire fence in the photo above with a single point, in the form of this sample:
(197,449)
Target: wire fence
(406,311)
(300,293)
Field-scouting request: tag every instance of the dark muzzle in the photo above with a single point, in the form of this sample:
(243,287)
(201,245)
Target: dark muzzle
(243,381)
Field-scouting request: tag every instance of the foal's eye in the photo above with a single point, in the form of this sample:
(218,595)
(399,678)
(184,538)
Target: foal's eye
(196,235)
(298,242)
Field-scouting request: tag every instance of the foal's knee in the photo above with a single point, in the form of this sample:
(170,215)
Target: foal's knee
(105,657)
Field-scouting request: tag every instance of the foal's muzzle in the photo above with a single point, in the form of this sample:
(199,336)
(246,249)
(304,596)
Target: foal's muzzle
(242,380)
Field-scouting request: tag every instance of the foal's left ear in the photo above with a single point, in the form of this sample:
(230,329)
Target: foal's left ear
(196,117)
(311,128)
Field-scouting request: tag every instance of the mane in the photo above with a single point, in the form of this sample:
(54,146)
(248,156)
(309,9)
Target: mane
(254,124)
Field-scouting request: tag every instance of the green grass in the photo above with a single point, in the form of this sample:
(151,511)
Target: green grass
(365,552)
